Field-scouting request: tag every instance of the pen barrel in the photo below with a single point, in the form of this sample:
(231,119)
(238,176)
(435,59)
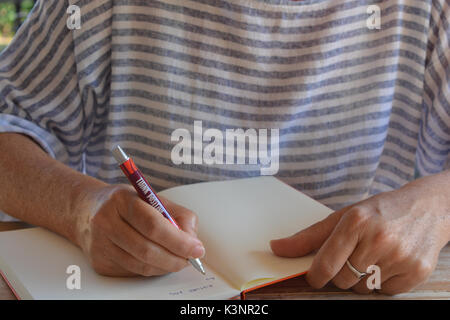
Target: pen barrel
(144,189)
(146,192)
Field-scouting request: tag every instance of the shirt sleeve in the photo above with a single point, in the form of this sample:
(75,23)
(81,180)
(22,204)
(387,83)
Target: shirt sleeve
(433,153)
(39,92)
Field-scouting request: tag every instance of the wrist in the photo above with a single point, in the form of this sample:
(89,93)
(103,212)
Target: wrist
(83,206)
(435,191)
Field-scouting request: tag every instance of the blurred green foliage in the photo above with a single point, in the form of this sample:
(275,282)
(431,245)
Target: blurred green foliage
(8,16)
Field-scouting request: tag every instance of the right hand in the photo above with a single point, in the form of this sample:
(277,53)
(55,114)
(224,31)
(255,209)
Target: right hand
(124,236)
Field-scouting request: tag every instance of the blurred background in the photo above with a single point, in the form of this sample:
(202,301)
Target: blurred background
(12,14)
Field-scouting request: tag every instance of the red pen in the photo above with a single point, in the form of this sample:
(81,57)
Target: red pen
(146,192)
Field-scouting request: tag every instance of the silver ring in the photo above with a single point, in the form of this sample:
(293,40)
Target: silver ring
(357,273)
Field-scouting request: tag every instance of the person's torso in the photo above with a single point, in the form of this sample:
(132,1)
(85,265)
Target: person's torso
(345,96)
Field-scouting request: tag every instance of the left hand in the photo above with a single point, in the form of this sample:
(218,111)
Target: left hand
(402,232)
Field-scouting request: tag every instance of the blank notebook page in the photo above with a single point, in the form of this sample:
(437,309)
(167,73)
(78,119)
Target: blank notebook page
(39,259)
(238,218)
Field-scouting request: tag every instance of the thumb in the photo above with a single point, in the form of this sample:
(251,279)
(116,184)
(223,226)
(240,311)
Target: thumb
(187,221)
(307,240)
(185,218)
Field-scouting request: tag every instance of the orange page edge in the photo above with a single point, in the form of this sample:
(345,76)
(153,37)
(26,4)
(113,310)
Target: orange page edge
(243,293)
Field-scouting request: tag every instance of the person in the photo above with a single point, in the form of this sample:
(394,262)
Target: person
(358,89)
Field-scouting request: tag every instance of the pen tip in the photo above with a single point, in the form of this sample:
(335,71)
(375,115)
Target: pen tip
(198,265)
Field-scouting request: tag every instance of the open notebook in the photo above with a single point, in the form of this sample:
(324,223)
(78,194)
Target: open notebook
(237,219)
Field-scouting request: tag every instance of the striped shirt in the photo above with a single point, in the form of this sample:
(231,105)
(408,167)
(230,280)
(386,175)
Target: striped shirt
(359,110)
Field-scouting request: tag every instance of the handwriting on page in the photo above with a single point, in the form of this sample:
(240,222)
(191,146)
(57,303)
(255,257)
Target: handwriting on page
(202,287)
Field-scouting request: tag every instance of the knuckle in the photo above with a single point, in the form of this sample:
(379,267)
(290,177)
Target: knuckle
(314,282)
(399,254)
(341,283)
(325,270)
(113,199)
(119,193)
(356,217)
(147,270)
(146,254)
(137,206)
(422,269)
(183,210)
(383,238)
(191,215)
(185,249)
(99,268)
(192,218)
(101,272)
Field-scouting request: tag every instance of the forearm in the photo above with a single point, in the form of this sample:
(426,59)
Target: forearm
(38,189)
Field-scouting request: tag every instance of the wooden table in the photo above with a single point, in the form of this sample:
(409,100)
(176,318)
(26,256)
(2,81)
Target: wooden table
(437,286)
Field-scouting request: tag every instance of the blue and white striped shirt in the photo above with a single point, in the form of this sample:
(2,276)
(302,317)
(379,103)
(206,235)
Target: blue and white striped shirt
(358,109)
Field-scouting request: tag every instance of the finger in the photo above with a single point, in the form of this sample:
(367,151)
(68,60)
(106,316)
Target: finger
(307,240)
(364,255)
(345,278)
(409,274)
(149,253)
(129,263)
(107,267)
(185,218)
(387,270)
(153,226)
(368,283)
(336,250)
(111,269)
(102,263)
(398,284)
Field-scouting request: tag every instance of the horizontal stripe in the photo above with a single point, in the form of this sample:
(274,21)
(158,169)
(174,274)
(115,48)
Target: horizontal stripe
(226,21)
(324,54)
(253,43)
(359,111)
(133,77)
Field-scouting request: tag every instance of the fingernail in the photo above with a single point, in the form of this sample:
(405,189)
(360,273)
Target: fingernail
(198,252)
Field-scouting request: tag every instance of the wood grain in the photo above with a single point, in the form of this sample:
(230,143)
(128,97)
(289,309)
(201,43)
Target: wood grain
(437,286)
